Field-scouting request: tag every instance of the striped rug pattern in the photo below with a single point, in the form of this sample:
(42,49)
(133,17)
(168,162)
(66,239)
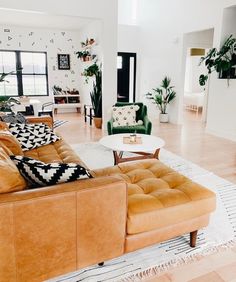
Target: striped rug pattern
(58,123)
(157,258)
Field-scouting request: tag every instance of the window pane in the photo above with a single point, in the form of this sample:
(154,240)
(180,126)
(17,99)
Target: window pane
(34,85)
(40,85)
(9,88)
(33,62)
(39,63)
(7,61)
(27,62)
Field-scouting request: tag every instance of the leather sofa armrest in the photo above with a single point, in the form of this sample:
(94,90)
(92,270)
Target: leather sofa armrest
(110,127)
(74,186)
(147,124)
(44,119)
(84,220)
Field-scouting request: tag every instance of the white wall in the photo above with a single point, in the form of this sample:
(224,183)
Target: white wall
(106,11)
(163,51)
(51,41)
(222,99)
(92,30)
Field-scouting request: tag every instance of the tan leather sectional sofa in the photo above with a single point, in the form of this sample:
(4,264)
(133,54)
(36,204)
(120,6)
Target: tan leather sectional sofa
(50,231)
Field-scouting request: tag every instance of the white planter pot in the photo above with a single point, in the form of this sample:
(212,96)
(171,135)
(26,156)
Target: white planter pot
(164,118)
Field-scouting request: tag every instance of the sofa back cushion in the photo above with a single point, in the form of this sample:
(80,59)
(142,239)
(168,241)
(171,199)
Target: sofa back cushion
(10,178)
(7,140)
(31,136)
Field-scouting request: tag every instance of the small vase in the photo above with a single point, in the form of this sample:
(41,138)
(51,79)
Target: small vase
(164,118)
(97,122)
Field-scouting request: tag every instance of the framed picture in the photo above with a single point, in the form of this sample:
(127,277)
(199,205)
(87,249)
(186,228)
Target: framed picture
(63,61)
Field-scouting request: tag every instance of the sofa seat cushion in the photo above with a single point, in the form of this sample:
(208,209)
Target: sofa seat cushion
(129,129)
(56,152)
(158,196)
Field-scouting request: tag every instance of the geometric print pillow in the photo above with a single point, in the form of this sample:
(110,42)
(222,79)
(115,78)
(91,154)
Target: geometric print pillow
(31,136)
(38,173)
(124,116)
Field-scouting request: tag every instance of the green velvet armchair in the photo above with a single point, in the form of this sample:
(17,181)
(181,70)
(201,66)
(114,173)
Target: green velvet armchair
(146,128)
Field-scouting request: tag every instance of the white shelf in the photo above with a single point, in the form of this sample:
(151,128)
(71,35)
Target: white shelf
(68,105)
(66,95)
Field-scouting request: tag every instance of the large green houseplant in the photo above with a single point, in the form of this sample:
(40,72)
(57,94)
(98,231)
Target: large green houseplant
(222,61)
(94,71)
(162,96)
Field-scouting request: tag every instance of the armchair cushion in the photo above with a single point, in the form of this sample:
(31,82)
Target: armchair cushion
(124,116)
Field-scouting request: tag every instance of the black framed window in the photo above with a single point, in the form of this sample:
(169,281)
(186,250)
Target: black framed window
(31,79)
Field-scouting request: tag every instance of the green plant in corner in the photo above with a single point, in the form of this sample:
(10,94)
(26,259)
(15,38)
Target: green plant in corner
(162,95)
(96,94)
(221,61)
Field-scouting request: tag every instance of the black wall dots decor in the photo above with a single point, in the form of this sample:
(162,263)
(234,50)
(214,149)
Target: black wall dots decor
(7,30)
(9,38)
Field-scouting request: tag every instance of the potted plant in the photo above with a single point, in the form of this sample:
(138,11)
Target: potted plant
(96,94)
(162,96)
(84,55)
(222,61)
(96,99)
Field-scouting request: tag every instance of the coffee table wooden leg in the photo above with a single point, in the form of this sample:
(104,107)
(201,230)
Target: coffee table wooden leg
(156,154)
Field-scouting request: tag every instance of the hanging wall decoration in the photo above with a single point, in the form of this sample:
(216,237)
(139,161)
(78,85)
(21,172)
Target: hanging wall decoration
(63,61)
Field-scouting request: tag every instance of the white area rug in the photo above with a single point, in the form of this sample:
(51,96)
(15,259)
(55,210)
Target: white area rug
(157,258)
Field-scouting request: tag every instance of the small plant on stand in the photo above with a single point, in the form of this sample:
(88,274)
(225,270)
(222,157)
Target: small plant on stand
(162,96)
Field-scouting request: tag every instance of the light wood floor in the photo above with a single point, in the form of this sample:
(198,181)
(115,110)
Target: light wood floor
(191,142)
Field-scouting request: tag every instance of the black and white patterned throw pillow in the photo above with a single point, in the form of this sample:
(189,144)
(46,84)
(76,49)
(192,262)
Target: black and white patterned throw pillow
(38,173)
(31,136)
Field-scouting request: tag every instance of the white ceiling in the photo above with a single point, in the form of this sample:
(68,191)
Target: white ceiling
(41,20)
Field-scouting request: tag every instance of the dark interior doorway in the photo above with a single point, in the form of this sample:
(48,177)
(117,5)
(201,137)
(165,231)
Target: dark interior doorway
(126,77)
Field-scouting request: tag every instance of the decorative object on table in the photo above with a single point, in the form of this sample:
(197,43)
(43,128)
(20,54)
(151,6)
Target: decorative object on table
(137,127)
(63,61)
(162,96)
(132,139)
(223,61)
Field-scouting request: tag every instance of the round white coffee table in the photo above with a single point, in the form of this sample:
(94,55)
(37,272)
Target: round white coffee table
(148,148)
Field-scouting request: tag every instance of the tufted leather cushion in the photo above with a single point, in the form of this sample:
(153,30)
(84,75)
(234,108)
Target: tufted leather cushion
(56,152)
(10,178)
(158,196)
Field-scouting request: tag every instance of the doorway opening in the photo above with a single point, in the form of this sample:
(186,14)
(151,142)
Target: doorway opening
(126,77)
(195,98)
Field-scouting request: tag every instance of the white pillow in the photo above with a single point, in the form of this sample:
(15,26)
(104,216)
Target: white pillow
(124,116)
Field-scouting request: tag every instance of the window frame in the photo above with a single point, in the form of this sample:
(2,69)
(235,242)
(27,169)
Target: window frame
(19,74)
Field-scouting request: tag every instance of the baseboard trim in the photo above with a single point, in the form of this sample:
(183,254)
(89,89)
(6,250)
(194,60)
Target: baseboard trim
(223,134)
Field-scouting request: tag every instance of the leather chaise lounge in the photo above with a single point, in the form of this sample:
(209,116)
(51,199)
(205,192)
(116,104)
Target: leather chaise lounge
(54,230)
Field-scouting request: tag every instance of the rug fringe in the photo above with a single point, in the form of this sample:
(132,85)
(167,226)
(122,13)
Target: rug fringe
(164,267)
